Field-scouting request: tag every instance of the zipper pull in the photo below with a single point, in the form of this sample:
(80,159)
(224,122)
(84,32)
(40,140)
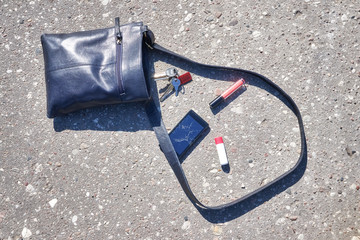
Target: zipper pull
(117,31)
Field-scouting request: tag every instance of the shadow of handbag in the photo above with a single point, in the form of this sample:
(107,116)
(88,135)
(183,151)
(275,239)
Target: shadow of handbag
(107,66)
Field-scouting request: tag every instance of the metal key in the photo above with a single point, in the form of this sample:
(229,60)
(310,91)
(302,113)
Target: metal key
(168,91)
(169,73)
(176,83)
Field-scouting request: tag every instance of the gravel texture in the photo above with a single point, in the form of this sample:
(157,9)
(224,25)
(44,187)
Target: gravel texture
(99,173)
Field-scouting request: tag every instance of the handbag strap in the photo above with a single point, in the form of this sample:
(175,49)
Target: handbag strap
(154,115)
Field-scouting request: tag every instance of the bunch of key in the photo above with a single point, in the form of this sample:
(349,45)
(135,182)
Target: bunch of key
(175,81)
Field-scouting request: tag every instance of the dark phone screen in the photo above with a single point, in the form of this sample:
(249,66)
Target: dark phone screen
(185,133)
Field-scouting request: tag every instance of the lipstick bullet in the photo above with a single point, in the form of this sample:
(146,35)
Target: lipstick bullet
(227,93)
(221,151)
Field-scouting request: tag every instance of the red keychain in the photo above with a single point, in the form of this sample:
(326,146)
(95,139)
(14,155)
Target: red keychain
(185,78)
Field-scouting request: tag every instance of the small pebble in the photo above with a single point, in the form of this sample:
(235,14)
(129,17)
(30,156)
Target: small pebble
(53,202)
(233,22)
(256,34)
(26,233)
(297,12)
(217,230)
(237,109)
(29,188)
(264,181)
(210,18)
(188,17)
(38,51)
(280,221)
(75,151)
(349,151)
(186,225)
(74,219)
(218,14)
(218,91)
(293,218)
(84,146)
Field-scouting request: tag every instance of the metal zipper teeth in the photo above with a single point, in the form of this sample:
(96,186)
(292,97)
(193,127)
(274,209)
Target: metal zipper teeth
(118,68)
(119,56)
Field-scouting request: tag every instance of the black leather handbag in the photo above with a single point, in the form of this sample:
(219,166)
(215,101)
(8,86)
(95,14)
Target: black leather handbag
(108,66)
(90,68)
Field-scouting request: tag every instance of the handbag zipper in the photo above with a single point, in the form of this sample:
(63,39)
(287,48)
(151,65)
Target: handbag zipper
(118,40)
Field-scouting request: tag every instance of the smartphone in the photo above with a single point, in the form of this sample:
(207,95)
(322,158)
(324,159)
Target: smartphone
(187,132)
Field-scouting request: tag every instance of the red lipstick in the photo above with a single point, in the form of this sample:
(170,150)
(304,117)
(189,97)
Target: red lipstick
(227,93)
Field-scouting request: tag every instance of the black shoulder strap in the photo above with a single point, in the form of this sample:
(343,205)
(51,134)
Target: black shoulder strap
(154,115)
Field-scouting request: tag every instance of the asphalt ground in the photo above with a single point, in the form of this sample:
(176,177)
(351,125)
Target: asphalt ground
(99,173)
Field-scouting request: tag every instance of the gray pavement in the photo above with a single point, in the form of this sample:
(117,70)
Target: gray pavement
(99,174)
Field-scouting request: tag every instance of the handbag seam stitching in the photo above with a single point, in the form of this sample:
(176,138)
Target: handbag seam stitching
(140,62)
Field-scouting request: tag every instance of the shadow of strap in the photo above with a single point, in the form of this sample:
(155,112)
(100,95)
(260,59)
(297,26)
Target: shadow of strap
(154,116)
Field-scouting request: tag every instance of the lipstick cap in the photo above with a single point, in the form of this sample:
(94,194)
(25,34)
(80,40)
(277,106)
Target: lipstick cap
(216,102)
(218,140)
